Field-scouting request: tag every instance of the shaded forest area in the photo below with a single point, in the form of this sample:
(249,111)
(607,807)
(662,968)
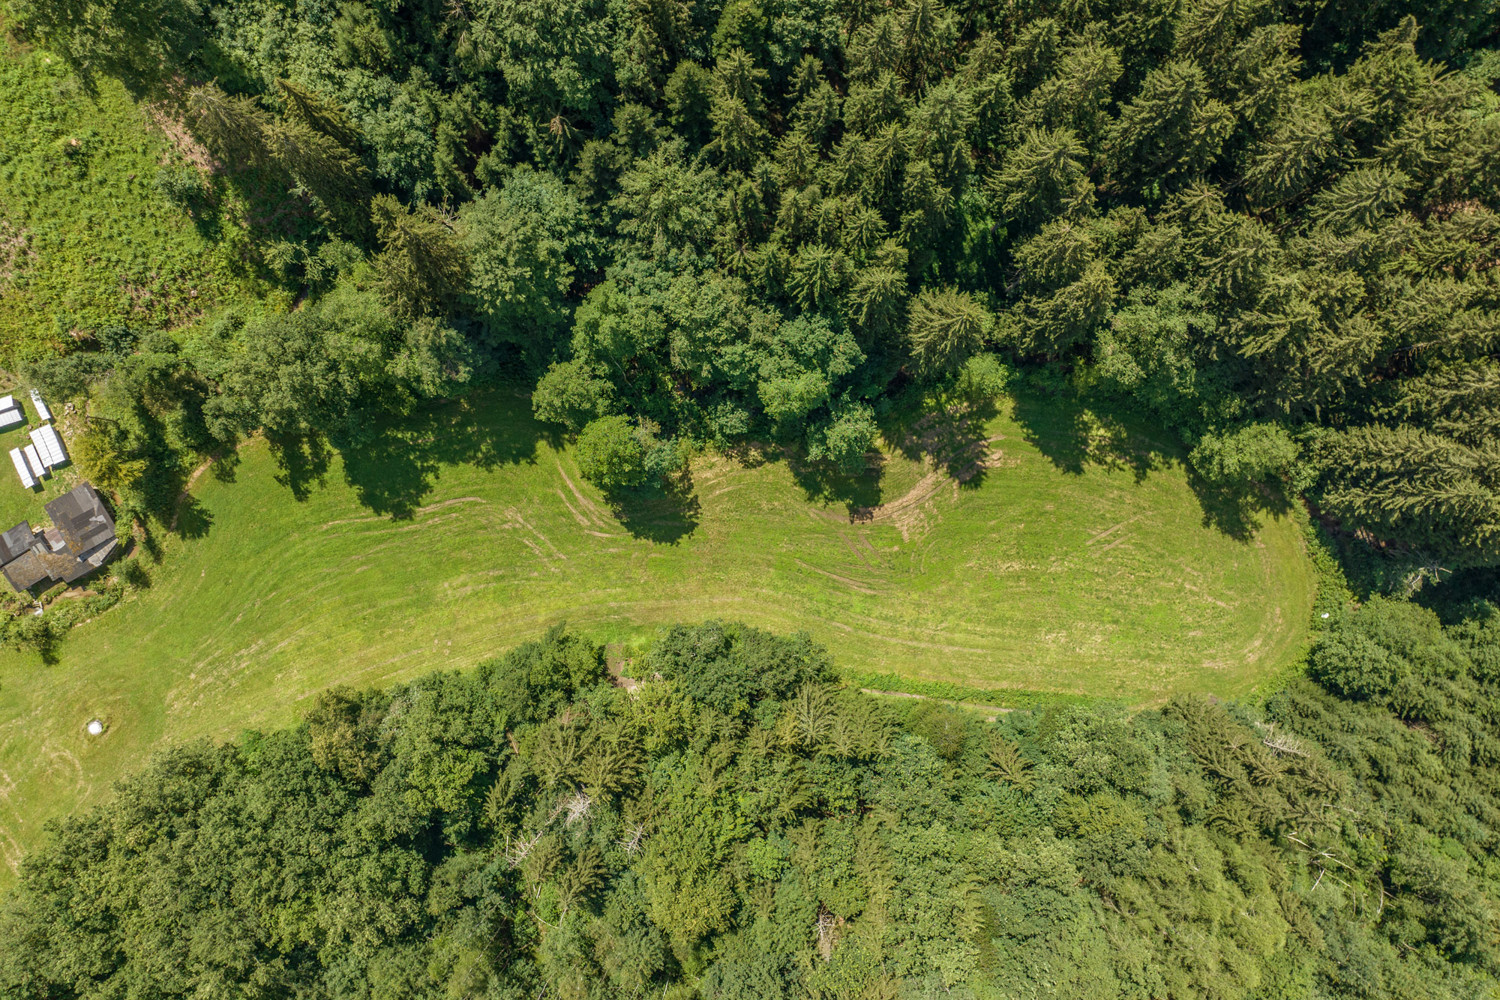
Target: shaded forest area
(1270,225)
(740,827)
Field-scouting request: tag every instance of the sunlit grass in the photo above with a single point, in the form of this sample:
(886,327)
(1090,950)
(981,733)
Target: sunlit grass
(1058,567)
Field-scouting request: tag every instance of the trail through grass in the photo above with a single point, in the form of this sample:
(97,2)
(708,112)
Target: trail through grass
(1070,559)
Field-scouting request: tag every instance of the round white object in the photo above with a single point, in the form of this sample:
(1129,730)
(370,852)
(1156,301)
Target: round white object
(95,727)
(1325,614)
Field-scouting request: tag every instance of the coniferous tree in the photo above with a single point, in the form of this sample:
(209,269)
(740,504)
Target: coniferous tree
(1043,177)
(233,127)
(946,327)
(1172,127)
(1415,487)
(423,266)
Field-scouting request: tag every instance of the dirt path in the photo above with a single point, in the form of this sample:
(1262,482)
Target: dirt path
(859,585)
(192,480)
(590,509)
(906,511)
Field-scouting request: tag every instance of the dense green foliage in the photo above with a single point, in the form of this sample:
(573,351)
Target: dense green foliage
(1273,225)
(739,827)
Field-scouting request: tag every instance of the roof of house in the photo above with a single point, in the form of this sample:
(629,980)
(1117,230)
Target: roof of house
(80,516)
(26,571)
(81,539)
(15,541)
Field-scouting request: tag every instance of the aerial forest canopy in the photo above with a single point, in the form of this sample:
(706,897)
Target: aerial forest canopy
(1271,225)
(1269,228)
(741,829)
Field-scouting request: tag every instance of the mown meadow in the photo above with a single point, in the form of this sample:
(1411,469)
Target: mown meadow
(1037,549)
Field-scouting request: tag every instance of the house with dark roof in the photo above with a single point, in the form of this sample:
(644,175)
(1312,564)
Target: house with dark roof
(81,539)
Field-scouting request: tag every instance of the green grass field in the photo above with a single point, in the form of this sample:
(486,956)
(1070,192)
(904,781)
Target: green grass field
(1073,559)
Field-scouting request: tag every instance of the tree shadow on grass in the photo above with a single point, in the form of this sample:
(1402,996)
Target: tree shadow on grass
(302,463)
(665,513)
(150,544)
(821,482)
(750,454)
(46,647)
(1236,510)
(193,519)
(226,465)
(825,483)
(1073,435)
(952,438)
(398,466)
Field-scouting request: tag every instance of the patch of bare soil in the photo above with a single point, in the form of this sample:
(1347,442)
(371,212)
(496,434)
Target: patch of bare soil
(906,511)
(182,141)
(954,450)
(615,661)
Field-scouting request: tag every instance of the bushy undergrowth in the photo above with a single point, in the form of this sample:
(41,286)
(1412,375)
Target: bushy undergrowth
(89,239)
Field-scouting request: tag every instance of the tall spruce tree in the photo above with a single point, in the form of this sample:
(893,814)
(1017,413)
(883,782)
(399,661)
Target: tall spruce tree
(422,267)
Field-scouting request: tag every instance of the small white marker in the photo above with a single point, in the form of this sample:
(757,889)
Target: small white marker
(95,727)
(1325,614)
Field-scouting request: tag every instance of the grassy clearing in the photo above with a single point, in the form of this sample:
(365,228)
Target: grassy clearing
(86,239)
(1073,560)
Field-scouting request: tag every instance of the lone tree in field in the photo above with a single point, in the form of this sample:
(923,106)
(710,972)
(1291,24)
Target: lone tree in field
(611,454)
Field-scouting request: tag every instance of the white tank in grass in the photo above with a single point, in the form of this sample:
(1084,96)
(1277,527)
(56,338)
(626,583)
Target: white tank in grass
(95,727)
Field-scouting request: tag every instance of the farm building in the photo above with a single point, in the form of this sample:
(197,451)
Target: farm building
(81,539)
